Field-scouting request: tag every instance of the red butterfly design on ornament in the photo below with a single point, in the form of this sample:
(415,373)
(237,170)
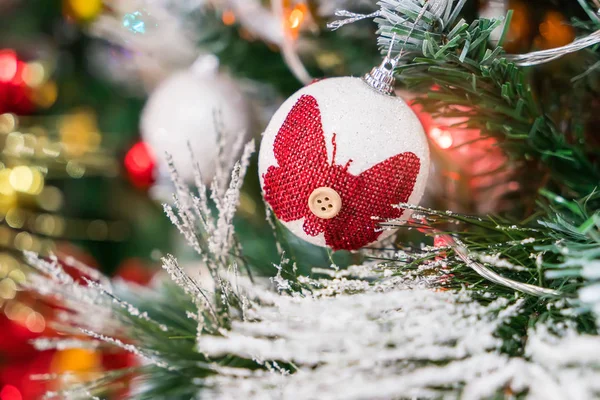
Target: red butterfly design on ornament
(303,166)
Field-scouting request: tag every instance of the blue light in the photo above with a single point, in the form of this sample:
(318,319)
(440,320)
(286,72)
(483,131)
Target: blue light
(134,23)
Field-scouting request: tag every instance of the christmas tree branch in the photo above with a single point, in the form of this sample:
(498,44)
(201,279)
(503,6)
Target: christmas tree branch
(559,251)
(474,81)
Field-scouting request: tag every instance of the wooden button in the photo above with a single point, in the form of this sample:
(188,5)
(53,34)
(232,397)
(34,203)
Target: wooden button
(325,203)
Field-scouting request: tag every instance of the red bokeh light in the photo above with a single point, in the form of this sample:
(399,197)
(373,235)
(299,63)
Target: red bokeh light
(140,164)
(9,392)
(8,65)
(15,96)
(442,137)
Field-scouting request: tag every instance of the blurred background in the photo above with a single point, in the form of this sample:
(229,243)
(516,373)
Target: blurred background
(93,92)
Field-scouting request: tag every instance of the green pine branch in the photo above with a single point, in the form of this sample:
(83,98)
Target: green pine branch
(558,250)
(464,76)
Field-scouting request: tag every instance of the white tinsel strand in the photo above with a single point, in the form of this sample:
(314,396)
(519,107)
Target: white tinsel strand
(490,275)
(544,56)
(402,23)
(329,8)
(401,13)
(350,18)
(461,251)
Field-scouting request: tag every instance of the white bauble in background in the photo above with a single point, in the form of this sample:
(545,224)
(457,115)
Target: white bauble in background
(338,155)
(189,106)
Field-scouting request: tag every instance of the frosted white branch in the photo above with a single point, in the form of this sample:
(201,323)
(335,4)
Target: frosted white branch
(130,308)
(43,344)
(127,347)
(391,342)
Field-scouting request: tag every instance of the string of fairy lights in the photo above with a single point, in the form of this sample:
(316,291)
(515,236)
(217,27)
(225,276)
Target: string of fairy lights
(34,152)
(31,156)
(30,207)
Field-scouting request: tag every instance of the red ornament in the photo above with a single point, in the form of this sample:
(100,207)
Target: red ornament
(140,165)
(134,270)
(301,155)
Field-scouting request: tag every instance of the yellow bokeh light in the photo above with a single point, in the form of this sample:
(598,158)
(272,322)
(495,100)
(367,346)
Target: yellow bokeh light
(8,289)
(15,218)
(17,276)
(83,10)
(26,180)
(15,144)
(45,94)
(35,322)
(30,143)
(76,360)
(7,264)
(21,178)
(79,133)
(8,196)
(34,74)
(75,170)
(51,198)
(329,60)
(51,149)
(49,225)
(8,123)
(16,311)
(97,230)
(6,236)
(24,242)
(59,226)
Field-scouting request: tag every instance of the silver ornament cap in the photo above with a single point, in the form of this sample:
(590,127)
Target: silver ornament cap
(381,78)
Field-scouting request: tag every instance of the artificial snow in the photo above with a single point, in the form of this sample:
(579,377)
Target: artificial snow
(388,341)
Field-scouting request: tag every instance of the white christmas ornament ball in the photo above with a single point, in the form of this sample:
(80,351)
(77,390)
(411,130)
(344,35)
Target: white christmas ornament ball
(335,159)
(195,106)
